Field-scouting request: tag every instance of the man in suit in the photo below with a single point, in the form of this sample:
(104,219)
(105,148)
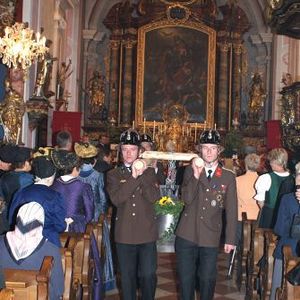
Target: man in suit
(133,190)
(207,191)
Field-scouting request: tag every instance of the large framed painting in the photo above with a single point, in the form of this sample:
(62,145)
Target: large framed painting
(176,65)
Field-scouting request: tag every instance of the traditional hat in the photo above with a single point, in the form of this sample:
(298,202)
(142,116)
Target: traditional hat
(64,159)
(146,138)
(43,151)
(130,137)
(210,136)
(28,232)
(43,167)
(85,150)
(22,154)
(8,152)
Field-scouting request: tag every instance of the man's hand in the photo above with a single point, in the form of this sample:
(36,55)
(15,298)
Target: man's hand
(228,248)
(138,167)
(197,166)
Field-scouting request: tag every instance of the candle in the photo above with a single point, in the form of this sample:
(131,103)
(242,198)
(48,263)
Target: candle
(18,136)
(144,125)
(204,124)
(215,126)
(153,131)
(132,124)
(195,138)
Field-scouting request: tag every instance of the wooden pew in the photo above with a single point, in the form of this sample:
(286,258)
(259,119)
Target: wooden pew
(79,245)
(267,271)
(6,294)
(30,284)
(288,291)
(67,263)
(247,239)
(255,254)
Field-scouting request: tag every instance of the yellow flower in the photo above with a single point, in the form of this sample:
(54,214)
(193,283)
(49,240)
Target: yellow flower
(165,201)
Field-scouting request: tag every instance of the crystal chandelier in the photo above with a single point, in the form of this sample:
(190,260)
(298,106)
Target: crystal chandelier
(20,47)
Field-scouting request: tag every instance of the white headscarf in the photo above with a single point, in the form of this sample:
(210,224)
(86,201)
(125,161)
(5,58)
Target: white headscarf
(28,231)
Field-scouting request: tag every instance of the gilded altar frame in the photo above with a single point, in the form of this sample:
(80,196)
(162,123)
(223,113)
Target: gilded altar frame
(187,62)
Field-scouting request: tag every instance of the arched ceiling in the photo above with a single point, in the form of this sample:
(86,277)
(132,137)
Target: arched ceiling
(96,10)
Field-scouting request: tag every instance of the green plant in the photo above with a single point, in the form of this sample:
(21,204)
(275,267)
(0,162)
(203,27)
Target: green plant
(166,205)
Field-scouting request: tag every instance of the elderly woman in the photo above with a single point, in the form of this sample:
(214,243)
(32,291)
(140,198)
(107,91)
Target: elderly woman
(25,247)
(288,208)
(245,188)
(268,186)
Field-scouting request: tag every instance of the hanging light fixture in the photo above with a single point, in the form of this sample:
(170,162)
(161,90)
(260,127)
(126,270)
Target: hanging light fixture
(20,46)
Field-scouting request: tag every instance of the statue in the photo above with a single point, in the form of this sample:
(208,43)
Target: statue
(96,92)
(63,74)
(12,112)
(42,77)
(287,79)
(257,99)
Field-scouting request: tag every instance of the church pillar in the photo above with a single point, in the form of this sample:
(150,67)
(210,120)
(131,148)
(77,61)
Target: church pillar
(236,108)
(114,74)
(126,111)
(223,87)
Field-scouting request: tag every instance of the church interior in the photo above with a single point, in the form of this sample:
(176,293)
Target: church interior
(170,69)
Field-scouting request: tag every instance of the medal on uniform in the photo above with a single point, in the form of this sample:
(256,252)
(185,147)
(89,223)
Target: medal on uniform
(213,203)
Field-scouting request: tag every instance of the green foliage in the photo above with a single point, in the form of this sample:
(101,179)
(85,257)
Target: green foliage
(233,143)
(168,206)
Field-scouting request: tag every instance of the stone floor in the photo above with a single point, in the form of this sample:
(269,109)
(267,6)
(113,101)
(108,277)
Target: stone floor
(167,285)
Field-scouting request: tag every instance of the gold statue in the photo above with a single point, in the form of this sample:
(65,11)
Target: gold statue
(257,99)
(42,77)
(63,74)
(96,92)
(12,112)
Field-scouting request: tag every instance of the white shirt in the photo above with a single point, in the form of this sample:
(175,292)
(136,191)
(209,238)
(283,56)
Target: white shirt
(213,168)
(263,184)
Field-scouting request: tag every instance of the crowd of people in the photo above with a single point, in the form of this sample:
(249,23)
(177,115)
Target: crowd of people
(48,191)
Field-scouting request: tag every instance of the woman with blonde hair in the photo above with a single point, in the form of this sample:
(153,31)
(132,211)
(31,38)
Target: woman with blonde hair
(268,186)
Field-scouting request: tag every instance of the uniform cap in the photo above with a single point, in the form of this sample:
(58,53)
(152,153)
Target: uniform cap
(210,136)
(130,137)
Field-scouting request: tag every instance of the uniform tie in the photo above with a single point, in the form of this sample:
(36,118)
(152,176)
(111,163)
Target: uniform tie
(209,175)
(129,169)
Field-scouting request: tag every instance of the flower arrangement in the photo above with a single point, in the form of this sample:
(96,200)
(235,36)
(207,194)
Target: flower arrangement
(167,206)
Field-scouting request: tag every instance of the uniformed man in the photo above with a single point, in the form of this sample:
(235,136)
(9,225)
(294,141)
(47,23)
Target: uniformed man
(147,145)
(207,192)
(133,189)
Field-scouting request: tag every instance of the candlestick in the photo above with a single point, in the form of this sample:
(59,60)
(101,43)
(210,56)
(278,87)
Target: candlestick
(153,137)
(18,136)
(133,124)
(195,138)
(144,125)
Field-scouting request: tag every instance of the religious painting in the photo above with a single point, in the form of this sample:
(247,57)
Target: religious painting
(176,65)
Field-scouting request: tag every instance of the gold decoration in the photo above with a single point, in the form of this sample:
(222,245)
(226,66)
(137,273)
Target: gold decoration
(12,111)
(20,47)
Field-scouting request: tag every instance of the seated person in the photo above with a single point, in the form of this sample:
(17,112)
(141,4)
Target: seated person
(52,202)
(25,247)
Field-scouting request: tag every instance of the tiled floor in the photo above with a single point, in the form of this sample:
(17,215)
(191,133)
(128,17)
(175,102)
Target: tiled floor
(167,285)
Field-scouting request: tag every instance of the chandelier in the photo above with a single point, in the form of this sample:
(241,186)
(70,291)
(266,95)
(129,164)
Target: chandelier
(20,46)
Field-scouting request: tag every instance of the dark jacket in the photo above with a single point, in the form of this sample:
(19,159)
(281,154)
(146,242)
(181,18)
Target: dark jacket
(205,201)
(135,222)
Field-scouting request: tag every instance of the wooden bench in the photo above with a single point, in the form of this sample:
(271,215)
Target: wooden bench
(253,268)
(288,291)
(79,245)
(245,248)
(6,294)
(67,263)
(30,284)
(266,270)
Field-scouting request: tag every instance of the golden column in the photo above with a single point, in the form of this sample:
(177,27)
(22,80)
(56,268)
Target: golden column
(114,75)
(223,86)
(237,67)
(127,100)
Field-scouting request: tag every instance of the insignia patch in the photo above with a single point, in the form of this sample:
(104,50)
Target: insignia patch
(213,203)
(122,180)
